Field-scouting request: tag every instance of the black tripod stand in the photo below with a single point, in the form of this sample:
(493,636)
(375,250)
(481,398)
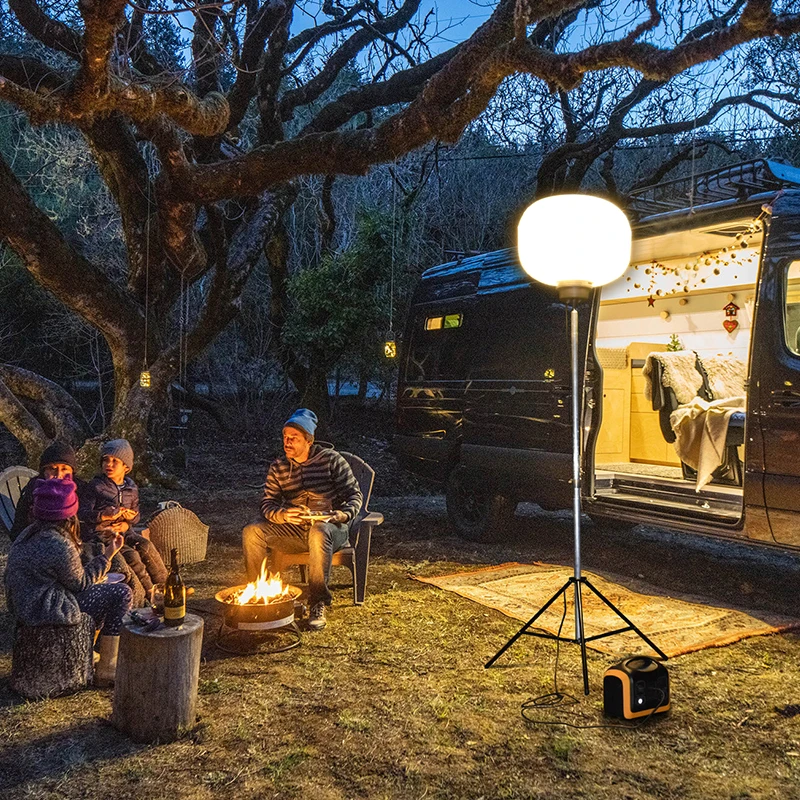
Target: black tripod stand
(572,294)
(580,637)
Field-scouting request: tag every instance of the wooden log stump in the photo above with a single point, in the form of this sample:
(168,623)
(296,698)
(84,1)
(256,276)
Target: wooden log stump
(155,692)
(51,660)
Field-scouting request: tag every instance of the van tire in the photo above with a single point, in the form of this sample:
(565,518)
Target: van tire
(479,516)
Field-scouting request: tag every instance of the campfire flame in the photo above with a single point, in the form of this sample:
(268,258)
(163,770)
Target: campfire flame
(265,589)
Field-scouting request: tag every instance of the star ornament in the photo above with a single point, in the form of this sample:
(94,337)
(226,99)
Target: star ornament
(651,301)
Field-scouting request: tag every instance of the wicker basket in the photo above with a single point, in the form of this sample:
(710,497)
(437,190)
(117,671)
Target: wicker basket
(176,526)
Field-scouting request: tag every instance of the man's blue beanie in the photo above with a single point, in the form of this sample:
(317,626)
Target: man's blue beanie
(304,419)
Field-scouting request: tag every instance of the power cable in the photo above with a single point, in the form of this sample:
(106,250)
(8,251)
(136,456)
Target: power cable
(559,700)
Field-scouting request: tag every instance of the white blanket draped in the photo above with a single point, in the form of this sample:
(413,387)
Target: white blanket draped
(702,428)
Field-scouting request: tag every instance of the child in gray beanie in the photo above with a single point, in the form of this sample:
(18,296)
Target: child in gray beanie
(110,505)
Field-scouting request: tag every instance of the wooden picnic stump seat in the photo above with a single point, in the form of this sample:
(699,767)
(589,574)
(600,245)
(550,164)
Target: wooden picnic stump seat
(12,481)
(155,690)
(51,660)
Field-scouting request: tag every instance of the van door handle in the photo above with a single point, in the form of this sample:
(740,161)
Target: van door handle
(786,399)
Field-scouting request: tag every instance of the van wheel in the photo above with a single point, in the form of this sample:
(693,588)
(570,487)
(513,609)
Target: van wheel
(477,515)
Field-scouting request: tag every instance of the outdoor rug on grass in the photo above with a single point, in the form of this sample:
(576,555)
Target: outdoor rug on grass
(676,626)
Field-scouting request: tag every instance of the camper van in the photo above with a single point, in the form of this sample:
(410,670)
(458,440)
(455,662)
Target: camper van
(690,396)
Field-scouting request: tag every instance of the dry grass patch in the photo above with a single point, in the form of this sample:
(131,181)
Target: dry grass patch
(392,701)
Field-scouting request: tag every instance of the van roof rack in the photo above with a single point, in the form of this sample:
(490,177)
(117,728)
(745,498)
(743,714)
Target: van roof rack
(737,182)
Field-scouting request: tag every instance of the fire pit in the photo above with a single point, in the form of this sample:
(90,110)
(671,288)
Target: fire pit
(259,616)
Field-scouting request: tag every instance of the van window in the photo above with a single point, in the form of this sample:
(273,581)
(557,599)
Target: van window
(437,349)
(448,321)
(791,315)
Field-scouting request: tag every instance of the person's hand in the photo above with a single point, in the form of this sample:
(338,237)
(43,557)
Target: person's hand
(113,546)
(338,516)
(119,527)
(127,513)
(106,534)
(296,515)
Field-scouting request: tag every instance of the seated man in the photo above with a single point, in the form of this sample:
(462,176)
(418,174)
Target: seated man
(310,479)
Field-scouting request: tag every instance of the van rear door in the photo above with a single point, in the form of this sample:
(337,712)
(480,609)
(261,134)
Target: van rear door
(775,378)
(517,426)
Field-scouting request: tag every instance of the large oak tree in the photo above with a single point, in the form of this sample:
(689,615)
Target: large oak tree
(202,163)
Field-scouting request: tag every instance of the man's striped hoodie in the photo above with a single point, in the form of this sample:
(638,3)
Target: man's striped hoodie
(324,480)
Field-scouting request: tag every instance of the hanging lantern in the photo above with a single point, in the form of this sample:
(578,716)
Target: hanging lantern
(144,380)
(390,346)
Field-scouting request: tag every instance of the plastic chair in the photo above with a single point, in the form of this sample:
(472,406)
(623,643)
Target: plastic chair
(355,556)
(12,481)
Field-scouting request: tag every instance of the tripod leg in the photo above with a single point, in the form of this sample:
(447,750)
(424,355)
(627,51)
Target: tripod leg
(625,619)
(528,624)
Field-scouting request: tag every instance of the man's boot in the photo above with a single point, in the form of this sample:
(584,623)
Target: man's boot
(316,616)
(106,669)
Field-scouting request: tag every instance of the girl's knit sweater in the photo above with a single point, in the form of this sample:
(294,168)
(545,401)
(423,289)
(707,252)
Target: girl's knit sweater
(43,575)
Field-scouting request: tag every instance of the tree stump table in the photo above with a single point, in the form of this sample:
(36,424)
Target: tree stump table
(155,691)
(51,660)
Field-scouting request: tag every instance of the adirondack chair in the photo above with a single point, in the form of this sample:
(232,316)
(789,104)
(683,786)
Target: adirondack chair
(356,556)
(12,481)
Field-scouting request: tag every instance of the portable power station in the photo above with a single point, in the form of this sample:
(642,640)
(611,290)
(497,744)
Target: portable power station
(636,687)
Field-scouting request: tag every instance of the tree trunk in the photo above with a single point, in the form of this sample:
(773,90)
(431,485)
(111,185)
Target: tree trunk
(155,691)
(315,396)
(363,385)
(51,660)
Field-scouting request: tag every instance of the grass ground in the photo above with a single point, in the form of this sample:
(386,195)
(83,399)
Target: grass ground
(392,701)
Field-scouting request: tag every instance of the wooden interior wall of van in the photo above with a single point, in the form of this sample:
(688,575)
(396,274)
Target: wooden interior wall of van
(698,323)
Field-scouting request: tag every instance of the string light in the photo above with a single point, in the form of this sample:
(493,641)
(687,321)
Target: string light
(686,275)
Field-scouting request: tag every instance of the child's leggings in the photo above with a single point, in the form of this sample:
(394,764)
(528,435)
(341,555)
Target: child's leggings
(107,604)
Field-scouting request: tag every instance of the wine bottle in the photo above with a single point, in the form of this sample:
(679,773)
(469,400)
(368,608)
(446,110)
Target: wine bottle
(174,594)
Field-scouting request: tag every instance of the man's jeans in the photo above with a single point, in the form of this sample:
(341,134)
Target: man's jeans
(321,540)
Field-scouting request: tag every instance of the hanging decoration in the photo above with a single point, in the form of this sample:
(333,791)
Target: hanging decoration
(730,323)
(144,377)
(688,276)
(390,346)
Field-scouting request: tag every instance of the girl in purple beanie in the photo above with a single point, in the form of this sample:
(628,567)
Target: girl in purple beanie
(46,583)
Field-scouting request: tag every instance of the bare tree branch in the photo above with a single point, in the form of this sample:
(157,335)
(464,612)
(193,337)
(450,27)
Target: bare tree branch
(51,32)
(695,150)
(61,415)
(261,22)
(74,280)
(311,90)
(22,425)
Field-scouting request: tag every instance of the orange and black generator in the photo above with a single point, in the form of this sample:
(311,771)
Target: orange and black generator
(636,687)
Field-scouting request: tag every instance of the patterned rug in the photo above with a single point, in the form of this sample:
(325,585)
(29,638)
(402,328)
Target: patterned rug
(676,626)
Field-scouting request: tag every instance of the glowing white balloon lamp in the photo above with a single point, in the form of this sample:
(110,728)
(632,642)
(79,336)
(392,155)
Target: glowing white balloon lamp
(574,242)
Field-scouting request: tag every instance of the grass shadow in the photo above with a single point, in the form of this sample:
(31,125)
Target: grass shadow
(55,754)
